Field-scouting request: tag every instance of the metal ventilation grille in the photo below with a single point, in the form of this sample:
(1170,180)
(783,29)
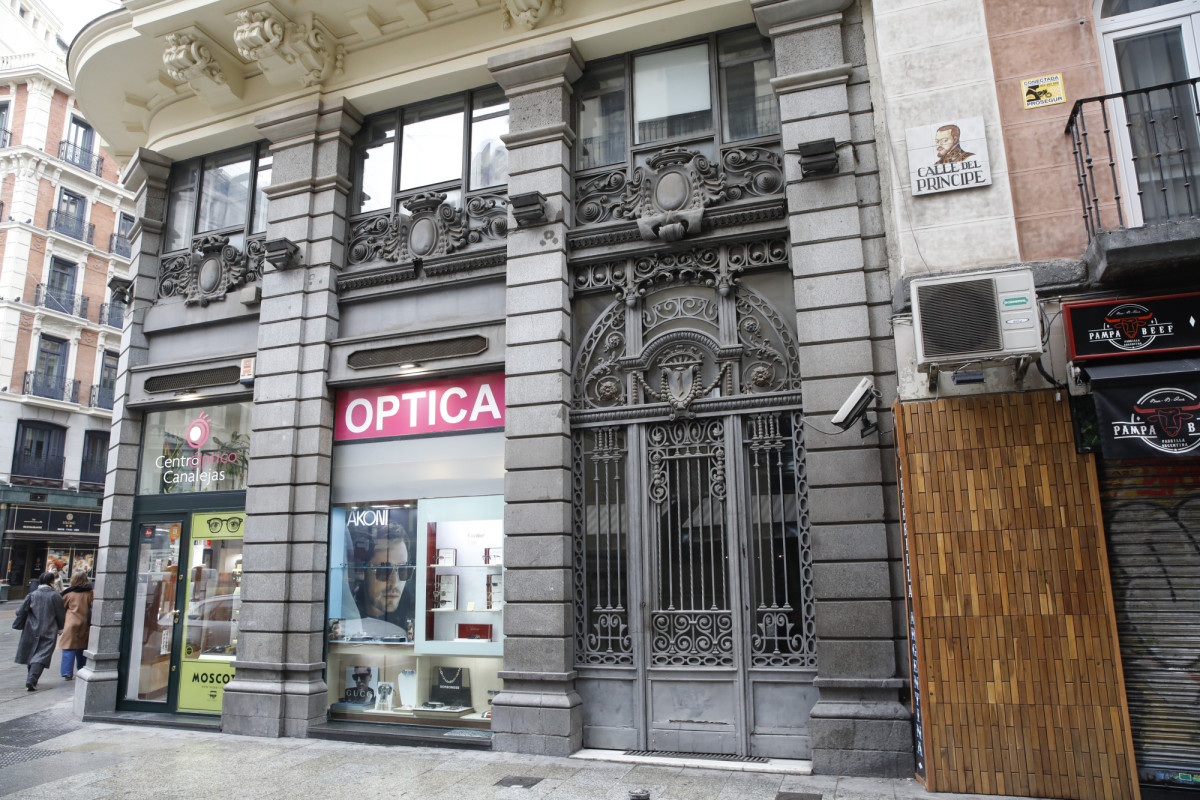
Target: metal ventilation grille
(959,318)
(417,353)
(220,376)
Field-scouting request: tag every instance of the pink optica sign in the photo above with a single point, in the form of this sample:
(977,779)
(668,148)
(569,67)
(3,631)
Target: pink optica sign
(420,408)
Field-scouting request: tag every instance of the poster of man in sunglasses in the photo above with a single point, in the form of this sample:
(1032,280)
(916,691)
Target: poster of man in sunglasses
(383,540)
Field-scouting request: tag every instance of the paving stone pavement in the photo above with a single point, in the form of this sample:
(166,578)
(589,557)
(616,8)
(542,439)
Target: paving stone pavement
(45,752)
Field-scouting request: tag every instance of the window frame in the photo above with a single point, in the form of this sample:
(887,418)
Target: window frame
(257,151)
(635,151)
(43,351)
(460,185)
(56,435)
(89,437)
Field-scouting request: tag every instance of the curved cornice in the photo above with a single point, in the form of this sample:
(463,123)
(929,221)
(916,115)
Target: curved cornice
(377,59)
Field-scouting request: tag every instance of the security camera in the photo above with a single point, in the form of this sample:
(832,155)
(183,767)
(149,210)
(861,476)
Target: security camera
(856,404)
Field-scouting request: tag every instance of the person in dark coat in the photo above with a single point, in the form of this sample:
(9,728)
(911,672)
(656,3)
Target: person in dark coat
(39,619)
(78,601)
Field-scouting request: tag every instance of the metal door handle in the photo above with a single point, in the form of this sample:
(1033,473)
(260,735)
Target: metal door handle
(175,614)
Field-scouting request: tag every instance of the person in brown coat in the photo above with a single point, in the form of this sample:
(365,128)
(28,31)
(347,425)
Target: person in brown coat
(78,601)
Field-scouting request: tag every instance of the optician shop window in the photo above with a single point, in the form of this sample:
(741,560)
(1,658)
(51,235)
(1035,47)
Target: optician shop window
(416,569)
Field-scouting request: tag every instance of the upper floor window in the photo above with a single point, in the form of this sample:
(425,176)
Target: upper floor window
(1151,50)
(721,84)
(39,450)
(221,193)
(5,133)
(450,145)
(79,147)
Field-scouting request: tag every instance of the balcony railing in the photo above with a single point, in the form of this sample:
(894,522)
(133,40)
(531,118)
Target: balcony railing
(55,387)
(28,468)
(70,225)
(100,397)
(46,297)
(5,137)
(84,159)
(91,478)
(1137,156)
(112,315)
(119,245)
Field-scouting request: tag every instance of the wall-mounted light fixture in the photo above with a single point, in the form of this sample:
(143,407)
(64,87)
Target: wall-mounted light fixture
(528,208)
(818,159)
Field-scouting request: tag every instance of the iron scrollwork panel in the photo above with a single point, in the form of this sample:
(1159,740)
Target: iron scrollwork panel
(601,548)
(691,620)
(783,632)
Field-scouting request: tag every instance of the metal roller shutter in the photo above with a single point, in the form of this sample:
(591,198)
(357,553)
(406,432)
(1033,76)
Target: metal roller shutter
(1152,519)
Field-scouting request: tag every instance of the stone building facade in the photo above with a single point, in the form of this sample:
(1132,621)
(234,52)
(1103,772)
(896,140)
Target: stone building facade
(479,373)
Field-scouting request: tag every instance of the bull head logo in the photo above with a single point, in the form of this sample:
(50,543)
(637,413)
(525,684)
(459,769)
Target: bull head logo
(1169,419)
(1130,327)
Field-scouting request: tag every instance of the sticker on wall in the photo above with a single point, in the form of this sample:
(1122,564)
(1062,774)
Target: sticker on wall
(1044,91)
(947,156)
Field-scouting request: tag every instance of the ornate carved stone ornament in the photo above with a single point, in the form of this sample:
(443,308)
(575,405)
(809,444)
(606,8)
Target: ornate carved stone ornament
(527,13)
(210,271)
(288,52)
(427,227)
(668,196)
(702,330)
(207,68)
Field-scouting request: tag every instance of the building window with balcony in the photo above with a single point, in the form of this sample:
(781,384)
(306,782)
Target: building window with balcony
(437,171)
(79,147)
(5,133)
(103,392)
(70,218)
(49,377)
(95,461)
(58,292)
(119,241)
(38,454)
(1150,65)
(112,313)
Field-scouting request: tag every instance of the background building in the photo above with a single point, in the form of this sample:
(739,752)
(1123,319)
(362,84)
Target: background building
(64,227)
(1031,499)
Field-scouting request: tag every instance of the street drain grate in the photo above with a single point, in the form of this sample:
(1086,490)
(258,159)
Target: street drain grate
(798,796)
(703,756)
(11,756)
(520,781)
(37,728)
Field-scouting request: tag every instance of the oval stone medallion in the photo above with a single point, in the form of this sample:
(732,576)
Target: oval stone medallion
(210,275)
(423,237)
(672,192)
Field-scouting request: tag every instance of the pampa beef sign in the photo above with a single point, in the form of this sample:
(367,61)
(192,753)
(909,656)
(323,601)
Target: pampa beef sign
(1143,422)
(1098,329)
(420,408)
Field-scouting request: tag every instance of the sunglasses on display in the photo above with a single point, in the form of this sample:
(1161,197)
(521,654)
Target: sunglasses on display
(401,571)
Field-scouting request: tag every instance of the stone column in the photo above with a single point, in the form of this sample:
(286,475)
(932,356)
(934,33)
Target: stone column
(539,710)
(279,689)
(859,727)
(96,685)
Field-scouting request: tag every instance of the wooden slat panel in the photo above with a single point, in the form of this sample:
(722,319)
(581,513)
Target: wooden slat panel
(1022,682)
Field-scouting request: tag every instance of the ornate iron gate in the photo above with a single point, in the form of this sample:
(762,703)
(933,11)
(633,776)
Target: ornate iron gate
(693,584)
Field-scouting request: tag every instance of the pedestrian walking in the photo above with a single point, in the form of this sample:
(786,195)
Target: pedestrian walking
(39,619)
(77,599)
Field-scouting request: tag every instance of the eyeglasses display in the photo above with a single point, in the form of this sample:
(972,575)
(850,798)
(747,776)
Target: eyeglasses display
(415,607)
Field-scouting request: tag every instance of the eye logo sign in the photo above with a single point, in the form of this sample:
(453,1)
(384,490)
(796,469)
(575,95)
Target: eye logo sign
(1165,419)
(197,431)
(1130,326)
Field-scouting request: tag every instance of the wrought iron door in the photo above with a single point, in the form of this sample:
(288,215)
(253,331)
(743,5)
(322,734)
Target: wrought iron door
(694,614)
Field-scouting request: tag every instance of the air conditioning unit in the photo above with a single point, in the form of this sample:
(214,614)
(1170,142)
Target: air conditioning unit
(980,317)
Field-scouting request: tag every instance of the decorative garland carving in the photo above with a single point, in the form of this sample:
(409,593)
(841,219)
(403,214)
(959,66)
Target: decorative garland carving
(668,196)
(209,272)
